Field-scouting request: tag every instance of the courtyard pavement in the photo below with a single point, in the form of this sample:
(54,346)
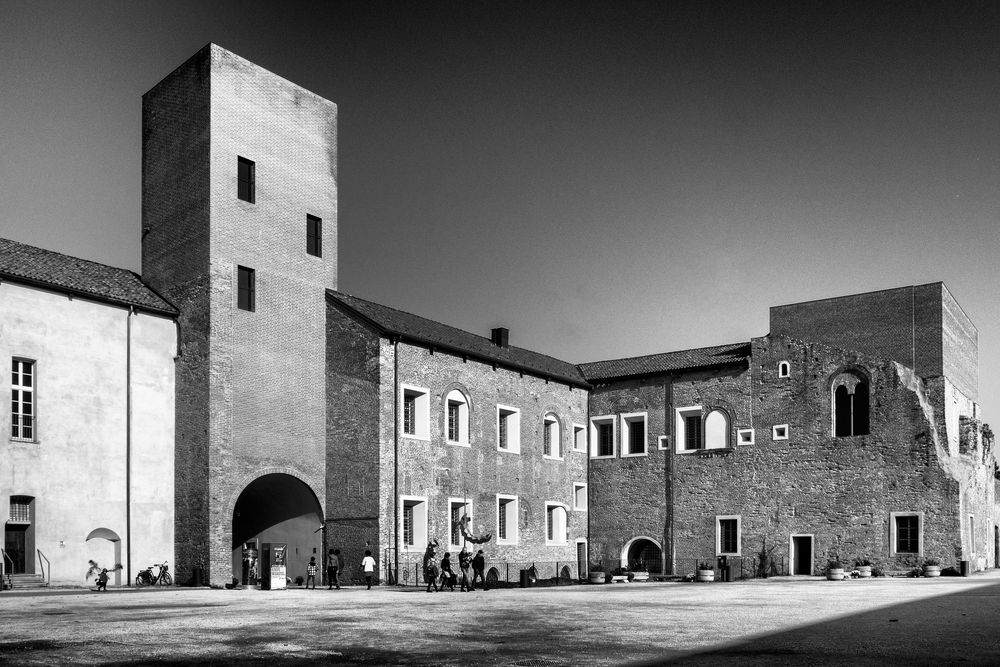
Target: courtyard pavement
(950,620)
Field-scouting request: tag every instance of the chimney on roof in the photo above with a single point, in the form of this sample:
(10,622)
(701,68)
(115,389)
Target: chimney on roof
(500,337)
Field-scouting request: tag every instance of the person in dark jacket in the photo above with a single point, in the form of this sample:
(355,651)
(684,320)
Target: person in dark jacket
(478,570)
(464,563)
(447,576)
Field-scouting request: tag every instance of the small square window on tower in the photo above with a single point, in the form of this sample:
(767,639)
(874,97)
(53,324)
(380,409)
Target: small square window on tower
(246,293)
(314,236)
(246,176)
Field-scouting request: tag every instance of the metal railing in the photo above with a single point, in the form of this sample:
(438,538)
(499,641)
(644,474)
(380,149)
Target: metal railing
(498,572)
(45,565)
(736,567)
(4,571)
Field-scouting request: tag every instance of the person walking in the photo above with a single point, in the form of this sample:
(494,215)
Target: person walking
(478,569)
(464,563)
(430,566)
(447,576)
(368,566)
(333,569)
(311,570)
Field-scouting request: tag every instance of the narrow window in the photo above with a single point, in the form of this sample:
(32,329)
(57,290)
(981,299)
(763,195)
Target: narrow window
(247,179)
(579,438)
(692,432)
(580,496)
(717,430)
(555,524)
(409,414)
(456,522)
(547,439)
(850,406)
(22,400)
(605,439)
(246,289)
(508,429)
(503,442)
(551,438)
(408,524)
(507,519)
(634,434)
(729,536)
(908,534)
(314,236)
(453,421)
(783,369)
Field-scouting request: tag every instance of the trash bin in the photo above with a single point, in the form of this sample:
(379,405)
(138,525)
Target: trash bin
(724,572)
(527,581)
(963,567)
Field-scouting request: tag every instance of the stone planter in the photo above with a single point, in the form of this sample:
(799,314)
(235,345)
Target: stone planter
(597,577)
(932,570)
(619,578)
(835,574)
(864,571)
(640,576)
(705,575)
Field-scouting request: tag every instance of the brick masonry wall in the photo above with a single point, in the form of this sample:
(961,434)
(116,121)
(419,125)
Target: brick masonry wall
(439,471)
(902,324)
(960,342)
(354,464)
(254,405)
(175,260)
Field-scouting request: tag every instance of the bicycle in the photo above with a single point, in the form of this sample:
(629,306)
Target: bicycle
(162,578)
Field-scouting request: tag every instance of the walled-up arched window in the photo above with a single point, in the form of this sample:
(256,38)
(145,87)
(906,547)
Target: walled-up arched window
(716,430)
(850,405)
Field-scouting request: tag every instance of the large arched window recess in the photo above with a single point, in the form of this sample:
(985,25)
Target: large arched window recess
(850,405)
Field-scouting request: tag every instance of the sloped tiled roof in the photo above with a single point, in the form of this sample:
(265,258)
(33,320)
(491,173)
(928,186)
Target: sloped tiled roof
(44,268)
(390,321)
(667,362)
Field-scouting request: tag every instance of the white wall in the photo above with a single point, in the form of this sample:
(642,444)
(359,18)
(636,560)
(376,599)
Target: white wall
(76,468)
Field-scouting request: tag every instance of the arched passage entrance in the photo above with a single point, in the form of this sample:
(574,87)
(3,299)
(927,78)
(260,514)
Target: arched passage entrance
(642,554)
(276,508)
(104,547)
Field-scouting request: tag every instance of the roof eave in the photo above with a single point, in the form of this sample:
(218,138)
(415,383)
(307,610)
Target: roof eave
(31,282)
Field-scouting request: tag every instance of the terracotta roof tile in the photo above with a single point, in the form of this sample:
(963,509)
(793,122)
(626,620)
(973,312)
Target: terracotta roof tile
(28,264)
(667,362)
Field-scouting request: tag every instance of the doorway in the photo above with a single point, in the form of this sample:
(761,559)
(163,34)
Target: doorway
(801,554)
(281,509)
(582,567)
(15,543)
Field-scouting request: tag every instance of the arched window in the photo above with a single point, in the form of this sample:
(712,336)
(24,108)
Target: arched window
(850,405)
(457,415)
(784,368)
(551,440)
(716,430)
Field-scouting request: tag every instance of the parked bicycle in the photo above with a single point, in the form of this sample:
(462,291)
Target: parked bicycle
(162,578)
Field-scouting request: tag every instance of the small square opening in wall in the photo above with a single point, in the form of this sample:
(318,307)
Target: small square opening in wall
(779,432)
(663,442)
(744,436)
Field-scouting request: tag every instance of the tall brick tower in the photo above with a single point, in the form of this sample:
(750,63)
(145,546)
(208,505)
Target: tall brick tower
(239,217)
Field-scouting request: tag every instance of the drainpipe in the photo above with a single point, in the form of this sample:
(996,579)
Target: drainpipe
(395,447)
(128,444)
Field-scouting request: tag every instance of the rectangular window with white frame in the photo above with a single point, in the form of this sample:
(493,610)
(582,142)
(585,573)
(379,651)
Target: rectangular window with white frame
(506,519)
(579,438)
(728,535)
(508,429)
(633,430)
(23,408)
(457,418)
(689,433)
(458,509)
(413,523)
(906,532)
(416,412)
(602,437)
(555,524)
(580,497)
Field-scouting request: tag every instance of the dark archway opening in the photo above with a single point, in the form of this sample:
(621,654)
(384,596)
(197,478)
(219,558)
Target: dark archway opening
(644,556)
(276,508)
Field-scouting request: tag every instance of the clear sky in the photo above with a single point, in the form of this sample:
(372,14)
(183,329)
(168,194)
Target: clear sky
(604,179)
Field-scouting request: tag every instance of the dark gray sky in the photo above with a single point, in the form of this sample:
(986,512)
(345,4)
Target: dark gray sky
(605,179)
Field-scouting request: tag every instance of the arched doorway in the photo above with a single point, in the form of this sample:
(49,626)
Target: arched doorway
(104,547)
(276,508)
(643,554)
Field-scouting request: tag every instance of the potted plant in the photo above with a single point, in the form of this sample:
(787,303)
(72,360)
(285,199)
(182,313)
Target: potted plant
(932,567)
(639,571)
(835,570)
(705,572)
(620,575)
(597,574)
(864,567)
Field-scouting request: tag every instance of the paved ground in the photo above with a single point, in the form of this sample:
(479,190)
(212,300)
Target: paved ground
(776,621)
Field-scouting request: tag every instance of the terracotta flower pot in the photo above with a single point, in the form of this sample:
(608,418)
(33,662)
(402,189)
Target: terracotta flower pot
(932,570)
(706,575)
(597,577)
(835,574)
(864,571)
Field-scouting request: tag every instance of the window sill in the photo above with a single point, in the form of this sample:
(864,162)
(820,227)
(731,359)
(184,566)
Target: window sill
(606,456)
(549,457)
(508,451)
(579,509)
(555,544)
(24,441)
(455,443)
(410,436)
(632,456)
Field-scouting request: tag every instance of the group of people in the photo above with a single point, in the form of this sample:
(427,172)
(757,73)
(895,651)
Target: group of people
(334,566)
(432,573)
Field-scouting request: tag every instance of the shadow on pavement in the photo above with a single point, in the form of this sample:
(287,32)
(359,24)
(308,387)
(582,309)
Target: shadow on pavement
(957,628)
